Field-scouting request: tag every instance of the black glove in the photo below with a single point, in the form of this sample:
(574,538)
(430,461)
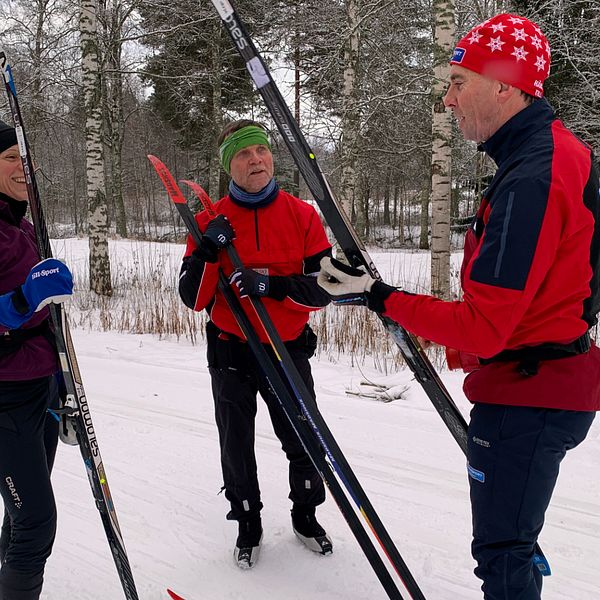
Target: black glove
(378,294)
(250,282)
(219,233)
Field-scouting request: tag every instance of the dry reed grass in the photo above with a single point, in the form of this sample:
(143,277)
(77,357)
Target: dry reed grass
(145,300)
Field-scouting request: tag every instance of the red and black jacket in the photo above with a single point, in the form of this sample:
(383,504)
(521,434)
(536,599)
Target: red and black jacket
(285,238)
(531,269)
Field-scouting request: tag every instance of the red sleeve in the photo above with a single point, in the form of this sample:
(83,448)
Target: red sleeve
(483,321)
(304,294)
(316,240)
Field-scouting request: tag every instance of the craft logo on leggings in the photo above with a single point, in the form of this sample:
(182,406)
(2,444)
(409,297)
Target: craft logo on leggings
(13,492)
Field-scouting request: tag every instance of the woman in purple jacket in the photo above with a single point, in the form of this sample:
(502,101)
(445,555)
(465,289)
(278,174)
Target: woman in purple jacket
(28,387)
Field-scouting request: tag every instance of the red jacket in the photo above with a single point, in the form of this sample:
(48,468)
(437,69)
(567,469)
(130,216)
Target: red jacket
(530,269)
(274,239)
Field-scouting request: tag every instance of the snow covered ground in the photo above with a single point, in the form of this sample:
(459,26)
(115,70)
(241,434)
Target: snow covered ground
(152,408)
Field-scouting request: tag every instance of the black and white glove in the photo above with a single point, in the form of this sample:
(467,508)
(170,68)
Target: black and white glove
(349,285)
(255,284)
(250,282)
(218,234)
(345,284)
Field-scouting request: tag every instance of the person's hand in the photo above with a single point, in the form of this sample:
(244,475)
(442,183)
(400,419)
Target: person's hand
(250,283)
(48,281)
(343,283)
(218,234)
(348,285)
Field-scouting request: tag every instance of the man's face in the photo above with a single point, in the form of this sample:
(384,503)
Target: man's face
(473,101)
(252,168)
(12,180)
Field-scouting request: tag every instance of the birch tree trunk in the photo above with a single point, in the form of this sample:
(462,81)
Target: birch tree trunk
(97,210)
(441,159)
(116,117)
(350,119)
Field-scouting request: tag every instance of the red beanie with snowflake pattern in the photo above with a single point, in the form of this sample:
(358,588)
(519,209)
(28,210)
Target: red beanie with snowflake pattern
(509,48)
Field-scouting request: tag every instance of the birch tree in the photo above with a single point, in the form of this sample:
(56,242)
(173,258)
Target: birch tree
(351,118)
(100,281)
(441,159)
(114,14)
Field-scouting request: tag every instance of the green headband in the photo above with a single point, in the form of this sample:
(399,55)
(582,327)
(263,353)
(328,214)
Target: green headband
(242,138)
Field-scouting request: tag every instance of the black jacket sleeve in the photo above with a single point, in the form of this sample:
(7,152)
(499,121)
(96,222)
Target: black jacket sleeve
(302,289)
(190,278)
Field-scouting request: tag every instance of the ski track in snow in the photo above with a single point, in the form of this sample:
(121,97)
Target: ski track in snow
(152,408)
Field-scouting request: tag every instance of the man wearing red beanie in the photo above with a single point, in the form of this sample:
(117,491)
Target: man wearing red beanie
(531,292)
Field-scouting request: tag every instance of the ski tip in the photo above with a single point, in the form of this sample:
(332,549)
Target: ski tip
(173,595)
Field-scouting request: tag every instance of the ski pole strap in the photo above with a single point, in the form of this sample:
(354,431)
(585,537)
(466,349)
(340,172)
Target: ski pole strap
(530,357)
(12,340)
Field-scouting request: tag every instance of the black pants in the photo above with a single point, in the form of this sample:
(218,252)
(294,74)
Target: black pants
(514,457)
(28,439)
(236,381)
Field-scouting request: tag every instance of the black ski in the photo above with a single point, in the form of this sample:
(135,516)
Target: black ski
(76,402)
(303,413)
(342,229)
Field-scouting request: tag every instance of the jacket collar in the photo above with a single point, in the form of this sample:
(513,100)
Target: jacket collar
(247,200)
(11,210)
(517,130)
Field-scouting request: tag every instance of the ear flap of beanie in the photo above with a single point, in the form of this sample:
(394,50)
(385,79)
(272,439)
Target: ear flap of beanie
(8,136)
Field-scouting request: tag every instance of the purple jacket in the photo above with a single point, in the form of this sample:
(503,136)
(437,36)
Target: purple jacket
(18,253)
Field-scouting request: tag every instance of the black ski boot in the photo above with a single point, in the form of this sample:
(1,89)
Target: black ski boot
(309,531)
(247,546)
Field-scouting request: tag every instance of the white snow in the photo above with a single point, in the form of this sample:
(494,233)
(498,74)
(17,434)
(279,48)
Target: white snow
(152,408)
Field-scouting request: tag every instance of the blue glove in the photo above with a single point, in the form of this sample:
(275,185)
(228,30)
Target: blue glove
(48,281)
(250,282)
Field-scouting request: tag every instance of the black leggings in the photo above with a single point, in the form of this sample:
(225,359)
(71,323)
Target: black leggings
(28,440)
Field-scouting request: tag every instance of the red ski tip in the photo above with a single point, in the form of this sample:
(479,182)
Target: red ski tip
(174,595)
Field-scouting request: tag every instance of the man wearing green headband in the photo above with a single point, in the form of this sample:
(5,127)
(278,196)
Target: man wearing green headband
(281,241)
(250,135)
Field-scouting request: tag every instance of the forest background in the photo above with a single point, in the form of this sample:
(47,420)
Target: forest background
(103,83)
